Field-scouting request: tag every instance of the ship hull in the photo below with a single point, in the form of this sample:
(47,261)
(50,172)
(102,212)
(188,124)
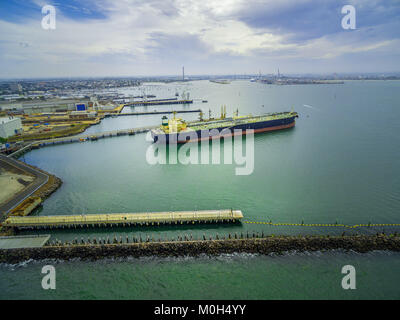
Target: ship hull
(223,131)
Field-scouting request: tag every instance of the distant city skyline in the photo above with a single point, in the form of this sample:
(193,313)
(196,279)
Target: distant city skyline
(106,38)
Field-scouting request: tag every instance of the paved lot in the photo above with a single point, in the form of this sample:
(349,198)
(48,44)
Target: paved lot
(40,180)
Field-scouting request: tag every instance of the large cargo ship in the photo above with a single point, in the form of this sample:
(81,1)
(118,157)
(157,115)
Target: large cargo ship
(176,130)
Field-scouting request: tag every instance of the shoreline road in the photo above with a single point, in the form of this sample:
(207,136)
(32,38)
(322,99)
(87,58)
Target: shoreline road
(40,179)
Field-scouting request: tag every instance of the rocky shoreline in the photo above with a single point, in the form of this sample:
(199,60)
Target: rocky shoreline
(265,245)
(50,187)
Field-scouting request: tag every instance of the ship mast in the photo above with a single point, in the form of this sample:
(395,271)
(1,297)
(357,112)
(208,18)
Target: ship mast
(223,112)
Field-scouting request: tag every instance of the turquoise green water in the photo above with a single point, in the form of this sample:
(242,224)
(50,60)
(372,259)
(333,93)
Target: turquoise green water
(340,163)
(293,276)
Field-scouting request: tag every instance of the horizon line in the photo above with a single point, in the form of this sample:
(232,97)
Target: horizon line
(179,77)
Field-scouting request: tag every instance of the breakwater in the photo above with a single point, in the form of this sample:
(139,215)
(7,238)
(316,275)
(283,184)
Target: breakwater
(185,246)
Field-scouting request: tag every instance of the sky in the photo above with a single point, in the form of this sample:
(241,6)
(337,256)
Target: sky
(98,38)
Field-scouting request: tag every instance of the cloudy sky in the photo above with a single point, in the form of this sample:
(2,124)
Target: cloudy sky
(158,37)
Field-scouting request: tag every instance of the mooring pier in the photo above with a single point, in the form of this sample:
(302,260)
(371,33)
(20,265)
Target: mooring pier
(150,112)
(93,136)
(158,102)
(124,219)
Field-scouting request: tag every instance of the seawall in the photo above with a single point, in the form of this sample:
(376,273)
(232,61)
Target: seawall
(187,247)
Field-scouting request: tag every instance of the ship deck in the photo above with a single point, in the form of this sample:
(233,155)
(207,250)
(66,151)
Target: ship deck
(230,122)
(243,120)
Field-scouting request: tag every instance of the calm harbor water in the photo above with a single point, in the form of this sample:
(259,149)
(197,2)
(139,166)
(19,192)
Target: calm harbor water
(291,276)
(340,163)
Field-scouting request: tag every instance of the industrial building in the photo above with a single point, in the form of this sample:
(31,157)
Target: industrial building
(56,105)
(10,126)
(83,114)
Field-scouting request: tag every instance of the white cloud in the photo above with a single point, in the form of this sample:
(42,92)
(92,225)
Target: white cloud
(127,33)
